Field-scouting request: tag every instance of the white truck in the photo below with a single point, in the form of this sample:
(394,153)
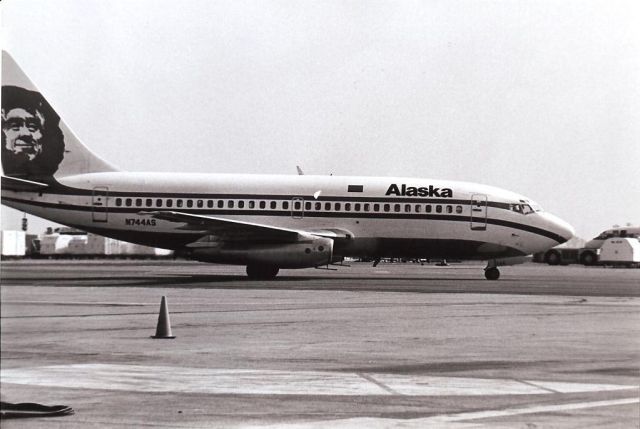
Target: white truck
(620,252)
(590,253)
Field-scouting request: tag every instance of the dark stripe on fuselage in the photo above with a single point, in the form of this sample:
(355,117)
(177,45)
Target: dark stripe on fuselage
(288,213)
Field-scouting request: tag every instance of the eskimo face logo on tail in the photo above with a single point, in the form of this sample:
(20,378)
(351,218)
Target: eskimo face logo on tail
(32,142)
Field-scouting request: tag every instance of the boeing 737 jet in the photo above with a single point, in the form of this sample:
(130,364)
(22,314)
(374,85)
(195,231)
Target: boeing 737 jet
(265,222)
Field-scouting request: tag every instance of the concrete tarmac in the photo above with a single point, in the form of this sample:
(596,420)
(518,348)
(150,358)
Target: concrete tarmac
(399,345)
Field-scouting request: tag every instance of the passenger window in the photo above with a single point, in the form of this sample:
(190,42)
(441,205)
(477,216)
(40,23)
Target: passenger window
(327,206)
(159,202)
(297,205)
(285,205)
(387,207)
(307,205)
(252,204)
(396,208)
(138,202)
(366,207)
(272,205)
(338,206)
(458,209)
(438,209)
(179,203)
(118,202)
(263,204)
(418,208)
(427,208)
(376,207)
(220,204)
(189,203)
(318,206)
(407,208)
(449,209)
(240,204)
(357,207)
(231,204)
(347,207)
(169,203)
(210,204)
(200,204)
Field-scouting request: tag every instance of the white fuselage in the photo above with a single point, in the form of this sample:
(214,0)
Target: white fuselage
(379,216)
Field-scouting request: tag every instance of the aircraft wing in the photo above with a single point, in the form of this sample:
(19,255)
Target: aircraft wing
(15,184)
(228,229)
(234,230)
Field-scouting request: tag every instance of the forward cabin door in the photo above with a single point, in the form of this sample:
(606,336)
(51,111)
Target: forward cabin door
(479,212)
(99,208)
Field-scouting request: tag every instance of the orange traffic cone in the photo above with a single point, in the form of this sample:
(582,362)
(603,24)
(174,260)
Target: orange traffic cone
(164,324)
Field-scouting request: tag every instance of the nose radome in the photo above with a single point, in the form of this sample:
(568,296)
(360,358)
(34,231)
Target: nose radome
(562,228)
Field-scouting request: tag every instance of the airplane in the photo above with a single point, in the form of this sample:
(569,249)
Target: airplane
(265,222)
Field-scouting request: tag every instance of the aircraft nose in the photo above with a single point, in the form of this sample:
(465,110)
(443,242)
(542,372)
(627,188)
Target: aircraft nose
(560,227)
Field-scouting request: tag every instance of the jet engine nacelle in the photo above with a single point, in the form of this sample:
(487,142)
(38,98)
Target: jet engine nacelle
(311,251)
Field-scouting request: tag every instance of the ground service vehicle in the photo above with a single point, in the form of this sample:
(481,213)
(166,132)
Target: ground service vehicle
(589,253)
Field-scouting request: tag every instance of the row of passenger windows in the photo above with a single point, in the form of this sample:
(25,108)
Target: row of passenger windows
(286,205)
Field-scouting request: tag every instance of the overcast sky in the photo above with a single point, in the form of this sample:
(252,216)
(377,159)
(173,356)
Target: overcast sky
(538,97)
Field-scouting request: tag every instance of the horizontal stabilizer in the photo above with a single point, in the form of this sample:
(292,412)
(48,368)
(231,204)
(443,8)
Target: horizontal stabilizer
(15,184)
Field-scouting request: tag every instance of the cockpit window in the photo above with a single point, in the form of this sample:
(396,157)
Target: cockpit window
(525,207)
(535,206)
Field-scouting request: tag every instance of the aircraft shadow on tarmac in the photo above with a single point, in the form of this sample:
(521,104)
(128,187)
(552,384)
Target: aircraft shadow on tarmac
(177,279)
(397,284)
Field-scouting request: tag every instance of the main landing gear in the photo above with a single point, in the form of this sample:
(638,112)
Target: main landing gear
(491,272)
(262,272)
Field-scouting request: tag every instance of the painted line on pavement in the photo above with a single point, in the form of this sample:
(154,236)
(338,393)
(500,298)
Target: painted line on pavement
(474,415)
(465,420)
(374,381)
(139,378)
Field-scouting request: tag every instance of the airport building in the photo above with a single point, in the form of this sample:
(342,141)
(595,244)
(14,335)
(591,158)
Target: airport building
(71,242)
(13,243)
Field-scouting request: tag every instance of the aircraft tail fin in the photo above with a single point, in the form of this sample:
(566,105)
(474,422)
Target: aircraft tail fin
(36,143)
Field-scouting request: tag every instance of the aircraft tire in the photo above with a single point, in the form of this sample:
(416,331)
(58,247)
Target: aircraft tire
(262,272)
(588,258)
(553,258)
(492,273)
